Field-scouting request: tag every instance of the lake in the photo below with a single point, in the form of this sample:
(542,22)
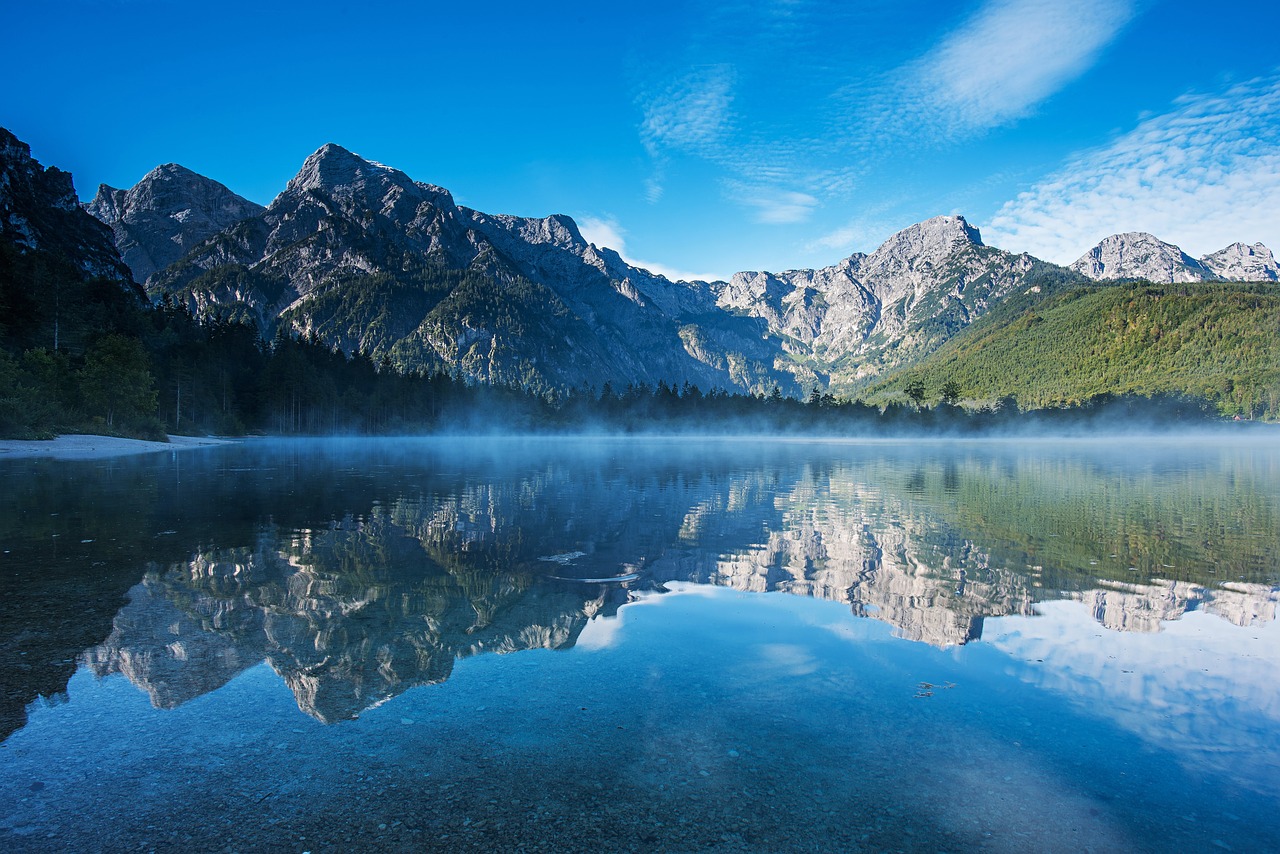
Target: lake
(643,644)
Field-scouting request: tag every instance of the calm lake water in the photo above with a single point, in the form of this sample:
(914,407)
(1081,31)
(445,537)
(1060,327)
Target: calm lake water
(643,645)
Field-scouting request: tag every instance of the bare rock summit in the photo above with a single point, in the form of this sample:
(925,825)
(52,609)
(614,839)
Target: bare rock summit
(167,213)
(1241,262)
(1138,255)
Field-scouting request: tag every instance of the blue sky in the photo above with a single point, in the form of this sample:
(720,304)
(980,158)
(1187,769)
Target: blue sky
(698,137)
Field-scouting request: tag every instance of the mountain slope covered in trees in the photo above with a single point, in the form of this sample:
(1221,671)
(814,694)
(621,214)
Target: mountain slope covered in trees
(1216,341)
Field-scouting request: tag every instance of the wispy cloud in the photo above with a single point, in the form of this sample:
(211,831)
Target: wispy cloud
(771,204)
(999,65)
(653,188)
(691,113)
(608,232)
(694,115)
(1203,175)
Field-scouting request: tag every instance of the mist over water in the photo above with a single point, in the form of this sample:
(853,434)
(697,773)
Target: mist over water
(644,643)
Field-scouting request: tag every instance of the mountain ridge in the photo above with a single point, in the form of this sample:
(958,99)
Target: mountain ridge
(368,259)
(39,211)
(343,218)
(1140,255)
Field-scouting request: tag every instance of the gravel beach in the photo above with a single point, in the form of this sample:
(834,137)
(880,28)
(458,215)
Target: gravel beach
(86,447)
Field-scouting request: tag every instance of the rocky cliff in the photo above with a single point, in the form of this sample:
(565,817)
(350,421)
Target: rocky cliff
(39,210)
(164,215)
(367,259)
(1138,255)
(869,313)
(1240,262)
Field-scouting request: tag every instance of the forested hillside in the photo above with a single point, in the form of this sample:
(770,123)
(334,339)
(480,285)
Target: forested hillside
(1216,341)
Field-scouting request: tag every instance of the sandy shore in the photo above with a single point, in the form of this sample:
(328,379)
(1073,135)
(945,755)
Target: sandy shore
(84,447)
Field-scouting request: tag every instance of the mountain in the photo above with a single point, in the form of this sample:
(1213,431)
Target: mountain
(1215,341)
(165,214)
(1243,263)
(369,260)
(62,283)
(1138,255)
(364,259)
(39,211)
(871,313)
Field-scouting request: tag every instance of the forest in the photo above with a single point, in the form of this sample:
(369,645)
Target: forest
(1217,342)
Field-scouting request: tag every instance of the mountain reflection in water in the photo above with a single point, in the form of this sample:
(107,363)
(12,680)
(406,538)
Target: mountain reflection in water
(389,595)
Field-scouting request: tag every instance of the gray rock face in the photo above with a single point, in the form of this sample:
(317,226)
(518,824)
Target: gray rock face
(348,234)
(1144,607)
(1138,255)
(368,259)
(349,238)
(164,215)
(339,215)
(39,211)
(553,252)
(872,312)
(1240,262)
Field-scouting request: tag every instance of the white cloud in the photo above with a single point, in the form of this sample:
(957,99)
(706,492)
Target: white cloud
(787,658)
(1008,58)
(602,232)
(772,205)
(653,188)
(1203,175)
(691,114)
(842,239)
(607,232)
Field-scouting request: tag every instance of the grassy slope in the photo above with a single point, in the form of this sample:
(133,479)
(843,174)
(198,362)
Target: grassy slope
(1220,341)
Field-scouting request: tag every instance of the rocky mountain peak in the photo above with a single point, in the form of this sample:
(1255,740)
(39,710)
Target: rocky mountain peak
(12,147)
(331,165)
(107,205)
(39,210)
(164,215)
(929,241)
(349,178)
(18,168)
(1139,255)
(556,230)
(1242,262)
(563,229)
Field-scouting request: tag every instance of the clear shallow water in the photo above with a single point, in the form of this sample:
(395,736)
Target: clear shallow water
(932,647)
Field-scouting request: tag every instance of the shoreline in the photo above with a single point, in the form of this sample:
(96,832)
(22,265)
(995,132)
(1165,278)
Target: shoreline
(84,446)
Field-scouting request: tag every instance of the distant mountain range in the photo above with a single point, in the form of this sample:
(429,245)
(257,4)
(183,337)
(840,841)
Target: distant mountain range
(363,258)
(368,259)
(1138,255)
